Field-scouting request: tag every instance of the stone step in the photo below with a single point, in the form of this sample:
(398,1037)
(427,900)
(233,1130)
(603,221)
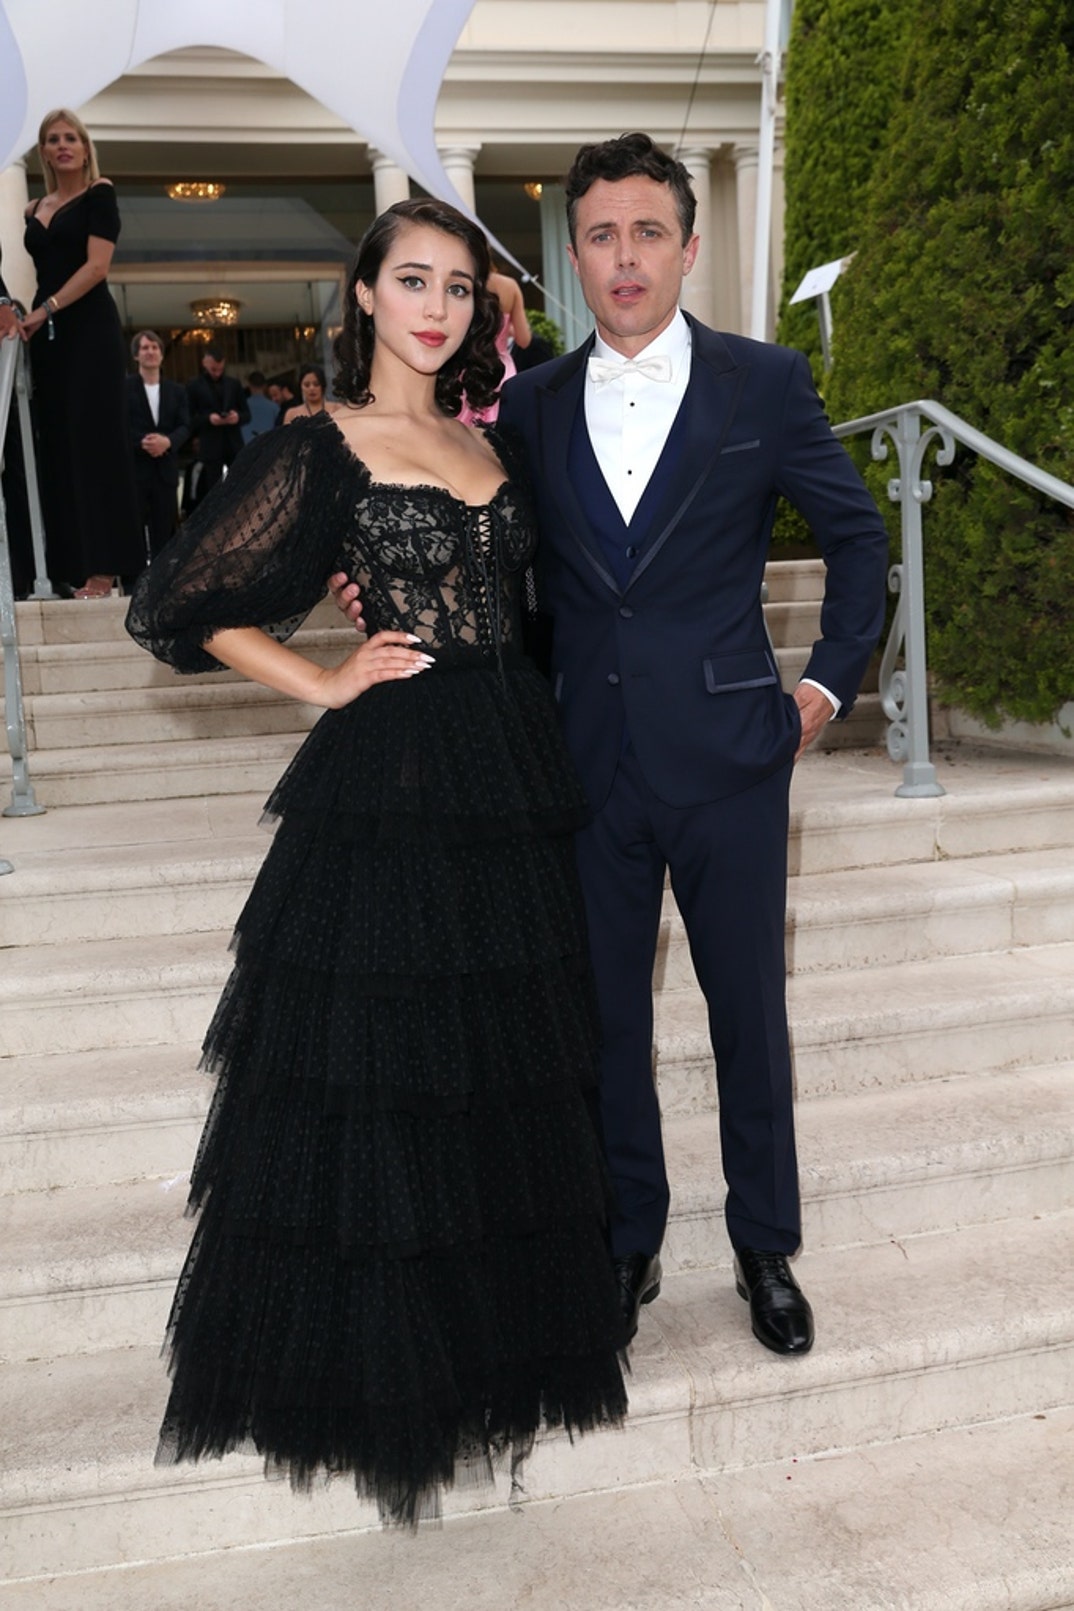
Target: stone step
(853,1531)
(80,621)
(145,890)
(879,916)
(933,1333)
(175,769)
(882,1027)
(94,1266)
(835,920)
(844,812)
(93,1118)
(152,715)
(794,580)
(76,668)
(856,1029)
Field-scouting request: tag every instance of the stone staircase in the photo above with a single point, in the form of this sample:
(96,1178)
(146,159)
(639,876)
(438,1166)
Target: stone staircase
(922,1456)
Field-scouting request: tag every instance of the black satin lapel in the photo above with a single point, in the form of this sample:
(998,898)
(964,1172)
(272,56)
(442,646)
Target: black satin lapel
(711,399)
(556,411)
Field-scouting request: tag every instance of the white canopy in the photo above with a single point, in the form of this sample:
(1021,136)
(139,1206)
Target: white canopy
(376,65)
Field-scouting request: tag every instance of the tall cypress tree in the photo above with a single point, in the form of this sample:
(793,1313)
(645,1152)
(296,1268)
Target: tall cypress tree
(963,290)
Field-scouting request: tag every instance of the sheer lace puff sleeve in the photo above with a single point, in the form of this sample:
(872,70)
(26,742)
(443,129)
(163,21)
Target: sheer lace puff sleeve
(258,551)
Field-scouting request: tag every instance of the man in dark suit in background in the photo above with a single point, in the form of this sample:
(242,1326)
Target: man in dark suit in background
(158,419)
(658,451)
(218,411)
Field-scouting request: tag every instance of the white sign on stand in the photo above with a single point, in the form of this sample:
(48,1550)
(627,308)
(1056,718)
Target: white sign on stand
(818,283)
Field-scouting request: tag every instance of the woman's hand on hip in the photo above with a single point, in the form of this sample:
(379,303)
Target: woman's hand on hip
(385,657)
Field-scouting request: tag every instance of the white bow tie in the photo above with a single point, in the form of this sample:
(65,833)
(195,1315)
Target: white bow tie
(603,370)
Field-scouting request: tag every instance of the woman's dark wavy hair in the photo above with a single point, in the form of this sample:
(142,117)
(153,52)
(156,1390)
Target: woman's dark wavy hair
(477,358)
(313,369)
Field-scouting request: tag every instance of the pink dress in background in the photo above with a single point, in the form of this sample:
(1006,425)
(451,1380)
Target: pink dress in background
(487,416)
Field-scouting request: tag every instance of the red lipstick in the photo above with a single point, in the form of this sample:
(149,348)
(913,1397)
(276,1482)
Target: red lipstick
(431,338)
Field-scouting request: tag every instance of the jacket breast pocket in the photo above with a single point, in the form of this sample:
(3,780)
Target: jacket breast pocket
(732,673)
(740,447)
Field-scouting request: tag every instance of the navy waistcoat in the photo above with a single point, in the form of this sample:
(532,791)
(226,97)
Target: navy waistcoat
(620,543)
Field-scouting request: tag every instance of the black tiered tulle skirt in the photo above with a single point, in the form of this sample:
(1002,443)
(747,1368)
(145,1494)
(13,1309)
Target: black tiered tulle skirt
(400,1269)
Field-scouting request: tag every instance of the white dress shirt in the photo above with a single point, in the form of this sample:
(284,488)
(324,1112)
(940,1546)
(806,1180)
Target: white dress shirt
(152,397)
(629,420)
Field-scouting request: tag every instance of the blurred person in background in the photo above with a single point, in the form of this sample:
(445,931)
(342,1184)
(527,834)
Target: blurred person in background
(158,419)
(79,368)
(312,385)
(263,408)
(218,411)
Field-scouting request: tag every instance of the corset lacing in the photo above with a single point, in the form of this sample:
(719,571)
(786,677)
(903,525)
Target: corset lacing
(483,540)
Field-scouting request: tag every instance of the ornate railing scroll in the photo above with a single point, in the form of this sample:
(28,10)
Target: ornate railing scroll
(914,429)
(13,381)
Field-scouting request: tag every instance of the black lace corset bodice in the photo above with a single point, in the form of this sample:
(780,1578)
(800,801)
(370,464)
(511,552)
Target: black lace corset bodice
(448,571)
(298,506)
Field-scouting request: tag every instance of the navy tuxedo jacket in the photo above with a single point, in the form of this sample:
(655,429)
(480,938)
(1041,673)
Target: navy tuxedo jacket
(174,424)
(675,652)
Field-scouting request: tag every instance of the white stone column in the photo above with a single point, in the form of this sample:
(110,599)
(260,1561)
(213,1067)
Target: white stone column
(746,157)
(19,276)
(390,183)
(698,287)
(458,161)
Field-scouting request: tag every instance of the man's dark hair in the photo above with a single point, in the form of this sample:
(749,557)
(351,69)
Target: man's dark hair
(215,352)
(255,378)
(627,157)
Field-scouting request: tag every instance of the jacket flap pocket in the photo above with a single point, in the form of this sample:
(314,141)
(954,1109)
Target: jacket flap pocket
(728,673)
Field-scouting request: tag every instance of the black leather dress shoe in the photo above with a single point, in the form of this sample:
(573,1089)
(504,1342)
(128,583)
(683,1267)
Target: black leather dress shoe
(638,1276)
(779,1309)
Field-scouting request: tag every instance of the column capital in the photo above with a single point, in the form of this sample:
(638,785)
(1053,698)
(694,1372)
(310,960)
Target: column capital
(745,155)
(696,156)
(459,157)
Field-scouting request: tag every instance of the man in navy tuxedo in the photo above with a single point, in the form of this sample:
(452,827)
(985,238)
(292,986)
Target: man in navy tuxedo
(658,451)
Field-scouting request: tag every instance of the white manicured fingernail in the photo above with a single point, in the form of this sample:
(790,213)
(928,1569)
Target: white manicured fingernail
(427,659)
(412,637)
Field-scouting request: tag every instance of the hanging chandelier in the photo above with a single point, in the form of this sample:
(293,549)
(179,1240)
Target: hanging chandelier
(210,310)
(195,190)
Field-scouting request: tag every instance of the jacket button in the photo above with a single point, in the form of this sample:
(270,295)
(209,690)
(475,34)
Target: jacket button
(625,611)
(613,678)
(632,552)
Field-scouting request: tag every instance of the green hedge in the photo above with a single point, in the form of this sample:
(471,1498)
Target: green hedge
(963,290)
(843,67)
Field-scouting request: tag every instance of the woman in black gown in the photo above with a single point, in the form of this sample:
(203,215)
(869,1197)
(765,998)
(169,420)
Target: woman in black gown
(79,362)
(400,1267)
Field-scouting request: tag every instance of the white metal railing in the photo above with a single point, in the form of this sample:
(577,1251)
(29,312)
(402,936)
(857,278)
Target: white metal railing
(14,381)
(914,428)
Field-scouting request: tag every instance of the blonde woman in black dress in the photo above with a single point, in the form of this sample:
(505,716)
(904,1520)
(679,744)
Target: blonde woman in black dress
(79,360)
(401,1267)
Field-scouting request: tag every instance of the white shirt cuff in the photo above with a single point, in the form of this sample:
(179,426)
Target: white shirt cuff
(836,704)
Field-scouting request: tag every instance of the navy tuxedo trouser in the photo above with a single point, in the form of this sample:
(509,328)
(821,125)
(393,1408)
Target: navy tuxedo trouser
(728,865)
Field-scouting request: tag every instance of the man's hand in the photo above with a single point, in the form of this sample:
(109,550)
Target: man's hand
(816,712)
(348,598)
(155,444)
(9,324)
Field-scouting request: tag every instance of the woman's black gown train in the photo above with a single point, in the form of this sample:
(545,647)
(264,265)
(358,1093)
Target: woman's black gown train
(400,1266)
